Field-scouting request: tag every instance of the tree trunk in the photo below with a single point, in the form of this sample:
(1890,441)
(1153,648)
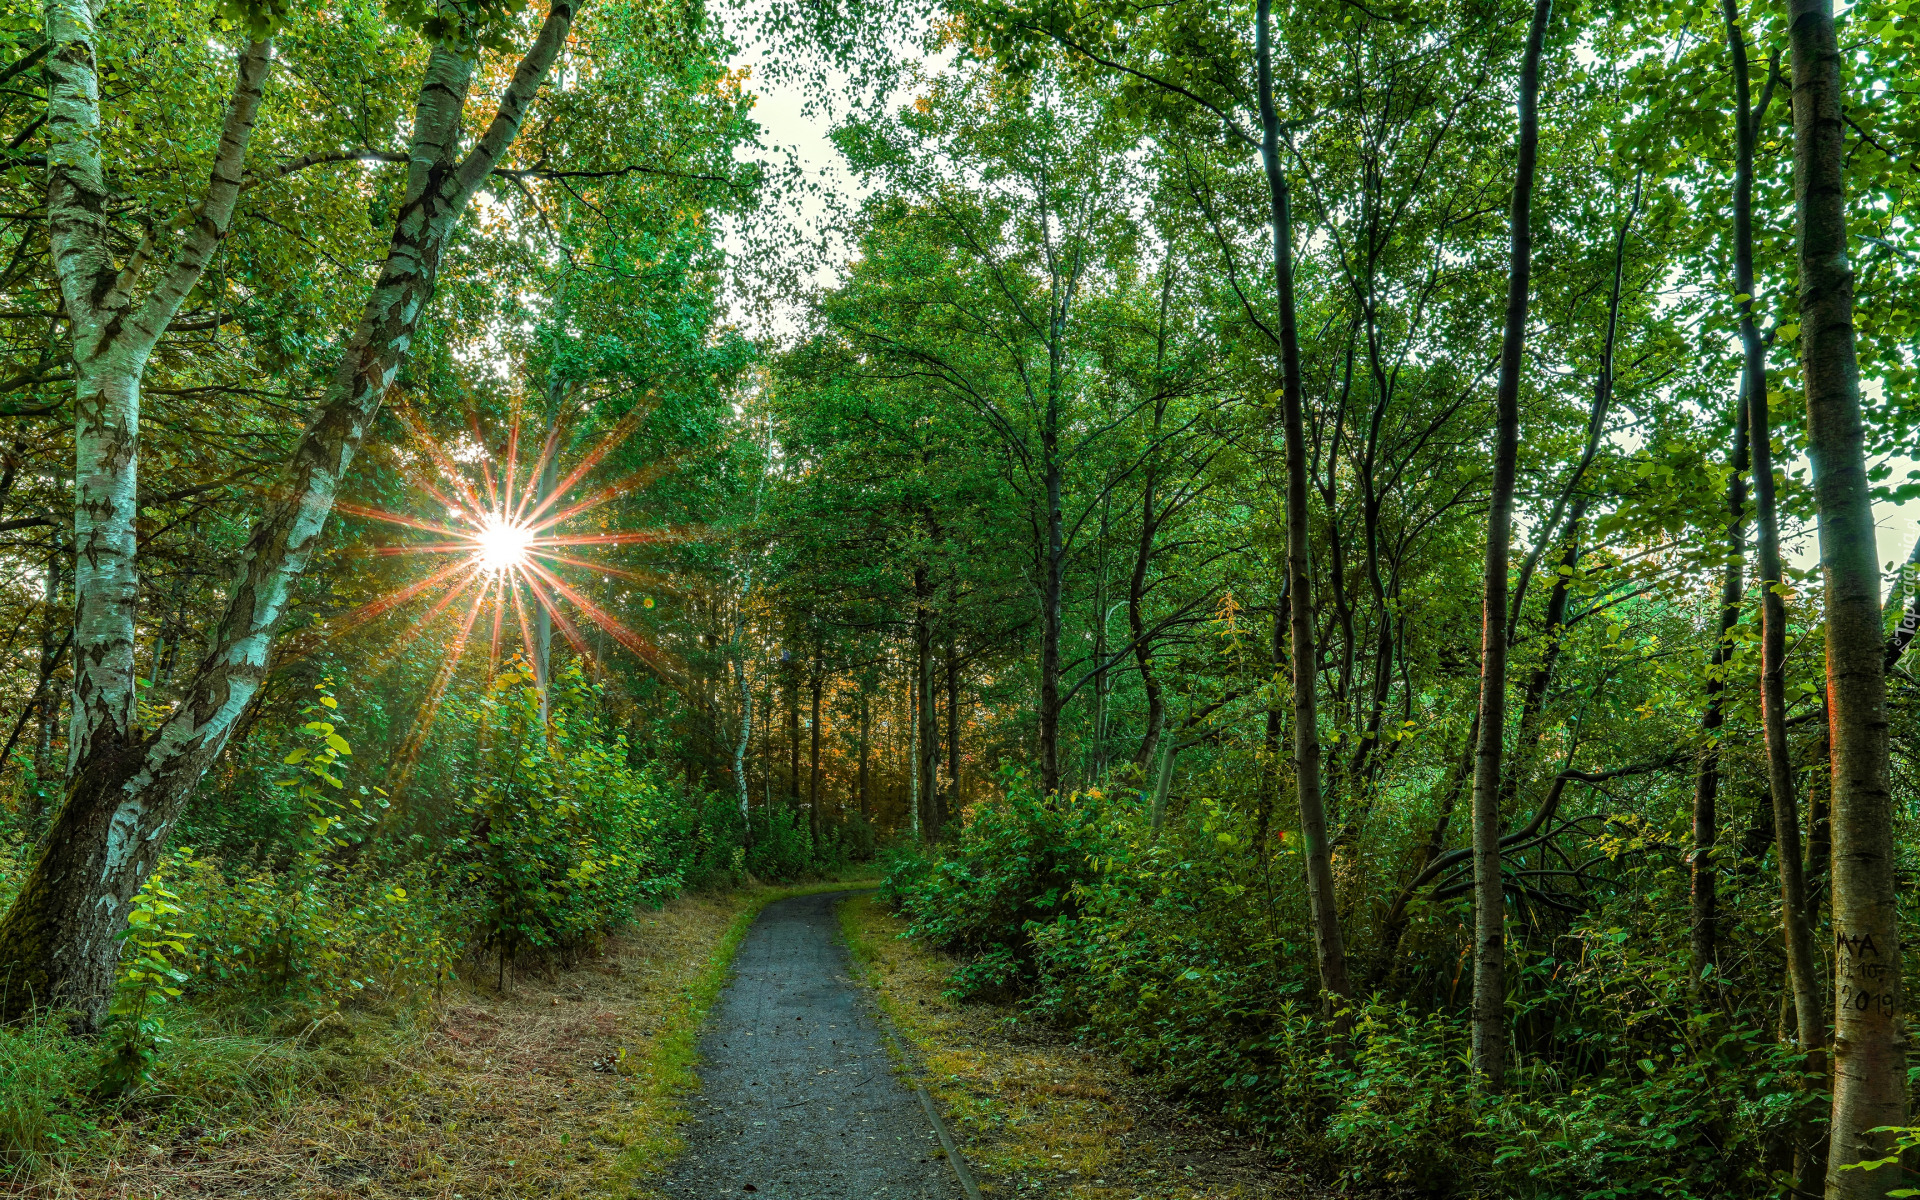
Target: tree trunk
(1869,1043)
(1137,624)
(927,750)
(813,761)
(1270,743)
(1162,784)
(1330,949)
(59,942)
(1489,918)
(950,804)
(1098,764)
(47,705)
(1053,587)
(542,649)
(793,735)
(913,754)
(1703,897)
(1803,970)
(860,777)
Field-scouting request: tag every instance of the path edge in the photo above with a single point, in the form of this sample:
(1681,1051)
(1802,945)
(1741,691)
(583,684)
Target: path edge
(891,1031)
(635,1170)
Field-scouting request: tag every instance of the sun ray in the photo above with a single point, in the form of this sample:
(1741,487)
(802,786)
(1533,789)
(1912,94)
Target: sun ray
(621,430)
(636,537)
(441,605)
(649,653)
(463,546)
(379,514)
(561,621)
(548,450)
(513,460)
(486,460)
(408,756)
(449,469)
(493,647)
(649,578)
(504,538)
(612,491)
(526,625)
(354,618)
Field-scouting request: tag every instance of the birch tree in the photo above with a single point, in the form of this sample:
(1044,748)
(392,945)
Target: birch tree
(126,787)
(1869,1041)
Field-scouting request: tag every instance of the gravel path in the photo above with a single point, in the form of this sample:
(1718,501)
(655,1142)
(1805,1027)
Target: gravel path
(798,1097)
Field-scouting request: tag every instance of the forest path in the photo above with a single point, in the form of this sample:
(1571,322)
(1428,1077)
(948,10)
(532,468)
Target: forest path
(798,1097)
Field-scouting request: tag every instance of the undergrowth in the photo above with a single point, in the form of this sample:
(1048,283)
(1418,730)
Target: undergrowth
(251,975)
(1182,952)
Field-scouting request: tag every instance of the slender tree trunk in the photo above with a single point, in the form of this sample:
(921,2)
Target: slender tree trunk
(928,751)
(950,806)
(913,755)
(59,942)
(813,760)
(1869,1043)
(1137,624)
(1329,946)
(542,649)
(1574,500)
(860,778)
(740,748)
(793,735)
(1703,896)
(1053,588)
(1490,909)
(1803,970)
(1270,745)
(1162,784)
(47,709)
(769,764)
(1098,764)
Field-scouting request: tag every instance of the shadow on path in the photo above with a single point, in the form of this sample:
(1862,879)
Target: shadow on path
(798,1098)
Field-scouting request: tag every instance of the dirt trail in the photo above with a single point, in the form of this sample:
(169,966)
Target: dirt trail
(798,1097)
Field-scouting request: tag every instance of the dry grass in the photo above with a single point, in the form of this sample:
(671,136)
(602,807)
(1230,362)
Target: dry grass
(1040,1115)
(562,1086)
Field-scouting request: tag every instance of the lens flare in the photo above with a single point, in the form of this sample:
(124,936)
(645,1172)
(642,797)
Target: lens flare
(502,544)
(506,550)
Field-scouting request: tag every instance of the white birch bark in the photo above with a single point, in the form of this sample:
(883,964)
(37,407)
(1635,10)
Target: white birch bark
(58,943)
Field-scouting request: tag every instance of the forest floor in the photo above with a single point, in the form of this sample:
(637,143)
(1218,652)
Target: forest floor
(578,1083)
(565,1084)
(1040,1115)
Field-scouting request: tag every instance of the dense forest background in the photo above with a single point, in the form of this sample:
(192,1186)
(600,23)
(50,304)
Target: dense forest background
(1291,534)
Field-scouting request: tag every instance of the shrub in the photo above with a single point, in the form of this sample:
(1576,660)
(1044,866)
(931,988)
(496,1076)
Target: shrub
(565,836)
(1015,869)
(1185,953)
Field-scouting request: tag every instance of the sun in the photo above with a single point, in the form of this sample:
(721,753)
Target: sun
(502,544)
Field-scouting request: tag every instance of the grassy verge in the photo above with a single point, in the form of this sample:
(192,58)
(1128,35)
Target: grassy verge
(562,1085)
(1039,1114)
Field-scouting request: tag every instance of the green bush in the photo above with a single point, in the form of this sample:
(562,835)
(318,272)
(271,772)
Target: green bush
(565,836)
(1187,954)
(1017,869)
